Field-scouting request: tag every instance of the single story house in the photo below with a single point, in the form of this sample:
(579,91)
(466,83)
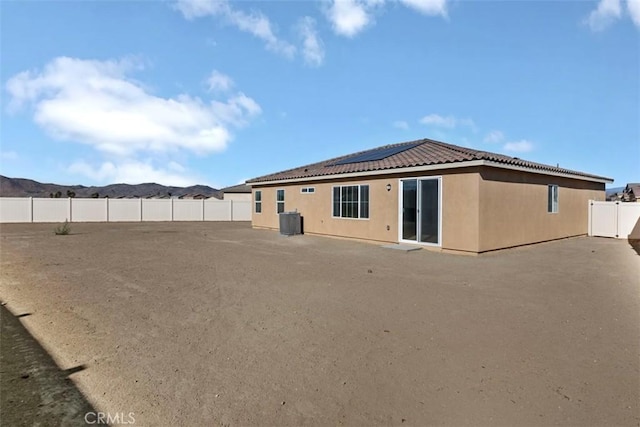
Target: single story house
(431,193)
(240,192)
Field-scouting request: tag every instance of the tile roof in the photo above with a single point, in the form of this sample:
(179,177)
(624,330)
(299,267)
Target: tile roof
(424,152)
(240,188)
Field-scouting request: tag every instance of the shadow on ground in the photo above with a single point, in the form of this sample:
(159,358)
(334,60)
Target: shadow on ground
(635,244)
(35,391)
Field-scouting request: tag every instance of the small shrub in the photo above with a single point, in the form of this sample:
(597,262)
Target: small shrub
(63,229)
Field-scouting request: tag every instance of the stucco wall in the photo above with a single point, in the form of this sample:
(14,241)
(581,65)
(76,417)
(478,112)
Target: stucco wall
(513,208)
(316,210)
(483,208)
(459,209)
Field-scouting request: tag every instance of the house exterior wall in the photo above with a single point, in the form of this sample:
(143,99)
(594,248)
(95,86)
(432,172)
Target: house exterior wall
(316,209)
(483,208)
(513,208)
(237,197)
(460,211)
(459,208)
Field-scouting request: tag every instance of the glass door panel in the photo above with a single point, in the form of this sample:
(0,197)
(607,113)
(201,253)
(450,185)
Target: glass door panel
(429,211)
(409,209)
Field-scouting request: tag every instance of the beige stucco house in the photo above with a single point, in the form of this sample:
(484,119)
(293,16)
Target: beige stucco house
(433,194)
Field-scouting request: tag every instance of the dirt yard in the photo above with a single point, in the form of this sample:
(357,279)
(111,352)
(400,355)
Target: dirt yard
(219,324)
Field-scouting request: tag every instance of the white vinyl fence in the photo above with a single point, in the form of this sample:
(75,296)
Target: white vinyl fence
(614,219)
(27,209)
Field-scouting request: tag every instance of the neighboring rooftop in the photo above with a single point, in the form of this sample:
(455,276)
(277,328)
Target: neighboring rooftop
(631,192)
(424,152)
(240,188)
(634,187)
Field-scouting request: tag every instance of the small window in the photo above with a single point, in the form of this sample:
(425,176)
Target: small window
(351,201)
(279,201)
(552,199)
(258,201)
(307,190)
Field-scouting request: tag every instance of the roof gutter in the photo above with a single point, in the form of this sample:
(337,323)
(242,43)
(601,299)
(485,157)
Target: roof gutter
(428,168)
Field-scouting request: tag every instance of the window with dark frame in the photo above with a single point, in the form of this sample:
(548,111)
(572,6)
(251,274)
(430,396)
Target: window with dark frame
(258,201)
(351,201)
(552,198)
(279,201)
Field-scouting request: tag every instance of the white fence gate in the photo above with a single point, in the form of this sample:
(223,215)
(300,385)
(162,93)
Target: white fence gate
(27,209)
(614,219)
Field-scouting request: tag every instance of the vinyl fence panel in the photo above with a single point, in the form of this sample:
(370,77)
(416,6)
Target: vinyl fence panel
(89,210)
(156,210)
(25,209)
(51,210)
(188,210)
(125,210)
(628,217)
(217,210)
(15,209)
(613,219)
(241,210)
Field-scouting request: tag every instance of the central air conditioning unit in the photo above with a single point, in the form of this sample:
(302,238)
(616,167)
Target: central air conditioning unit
(290,223)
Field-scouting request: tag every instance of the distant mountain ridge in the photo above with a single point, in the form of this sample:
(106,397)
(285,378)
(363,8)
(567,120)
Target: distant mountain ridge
(615,190)
(21,187)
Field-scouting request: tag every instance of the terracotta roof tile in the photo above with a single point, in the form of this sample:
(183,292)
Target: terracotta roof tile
(423,152)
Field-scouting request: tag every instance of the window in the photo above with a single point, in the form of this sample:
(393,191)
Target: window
(351,201)
(552,199)
(258,201)
(307,190)
(279,201)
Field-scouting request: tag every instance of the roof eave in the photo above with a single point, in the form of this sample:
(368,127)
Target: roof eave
(427,168)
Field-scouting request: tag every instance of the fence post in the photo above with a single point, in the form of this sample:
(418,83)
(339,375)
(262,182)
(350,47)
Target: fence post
(140,209)
(589,219)
(231,209)
(171,199)
(69,210)
(617,216)
(30,209)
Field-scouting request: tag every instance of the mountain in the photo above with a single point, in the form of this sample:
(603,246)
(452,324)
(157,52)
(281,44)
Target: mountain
(615,190)
(20,187)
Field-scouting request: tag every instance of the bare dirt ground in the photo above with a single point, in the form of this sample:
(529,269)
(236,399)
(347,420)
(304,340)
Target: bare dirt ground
(219,324)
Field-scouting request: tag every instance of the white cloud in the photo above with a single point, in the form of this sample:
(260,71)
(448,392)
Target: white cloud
(254,22)
(192,9)
(259,25)
(607,12)
(98,103)
(133,172)
(448,122)
(219,82)
(522,146)
(312,46)
(401,124)
(175,166)
(494,137)
(428,7)
(349,17)
(633,6)
(438,120)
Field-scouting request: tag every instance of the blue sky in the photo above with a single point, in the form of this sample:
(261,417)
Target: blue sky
(216,92)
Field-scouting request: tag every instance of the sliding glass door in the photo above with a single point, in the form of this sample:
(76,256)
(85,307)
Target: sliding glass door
(420,210)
